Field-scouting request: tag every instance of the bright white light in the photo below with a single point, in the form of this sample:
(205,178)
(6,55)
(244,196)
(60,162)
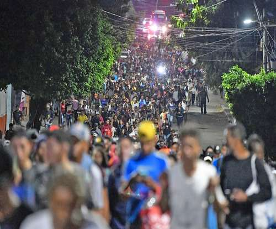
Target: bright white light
(161,69)
(164,29)
(248,21)
(144,22)
(154,27)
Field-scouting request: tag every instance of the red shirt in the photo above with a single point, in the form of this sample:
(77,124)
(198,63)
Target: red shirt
(62,108)
(106,130)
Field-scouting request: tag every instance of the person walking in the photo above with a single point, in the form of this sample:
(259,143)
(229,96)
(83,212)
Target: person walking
(17,116)
(193,95)
(117,204)
(256,145)
(191,182)
(9,133)
(66,196)
(179,115)
(12,210)
(75,106)
(239,164)
(203,97)
(142,173)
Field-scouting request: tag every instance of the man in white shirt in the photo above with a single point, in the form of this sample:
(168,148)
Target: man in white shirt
(175,94)
(190,183)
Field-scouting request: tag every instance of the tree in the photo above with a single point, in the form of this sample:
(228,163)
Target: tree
(53,48)
(252,101)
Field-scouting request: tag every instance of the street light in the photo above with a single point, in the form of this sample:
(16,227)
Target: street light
(161,69)
(248,21)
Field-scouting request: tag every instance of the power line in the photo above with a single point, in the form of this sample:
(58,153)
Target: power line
(118,16)
(231,37)
(216,4)
(226,45)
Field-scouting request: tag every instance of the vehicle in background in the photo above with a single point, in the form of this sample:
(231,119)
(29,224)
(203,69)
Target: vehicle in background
(159,25)
(159,17)
(124,54)
(147,22)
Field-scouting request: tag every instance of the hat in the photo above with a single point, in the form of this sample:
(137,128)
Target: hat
(80,131)
(208,159)
(98,141)
(32,134)
(146,131)
(6,143)
(175,140)
(53,128)
(217,150)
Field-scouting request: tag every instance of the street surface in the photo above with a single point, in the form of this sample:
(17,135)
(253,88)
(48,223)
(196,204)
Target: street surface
(212,124)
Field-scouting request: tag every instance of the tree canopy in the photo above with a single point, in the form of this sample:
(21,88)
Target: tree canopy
(54,48)
(252,101)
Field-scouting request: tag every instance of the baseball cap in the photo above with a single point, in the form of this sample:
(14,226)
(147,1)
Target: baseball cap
(217,150)
(80,131)
(208,159)
(32,134)
(98,141)
(146,131)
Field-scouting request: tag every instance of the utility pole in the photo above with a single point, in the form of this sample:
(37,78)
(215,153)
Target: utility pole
(156,6)
(265,56)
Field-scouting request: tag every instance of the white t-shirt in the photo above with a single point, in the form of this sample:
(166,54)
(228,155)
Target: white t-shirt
(188,196)
(175,95)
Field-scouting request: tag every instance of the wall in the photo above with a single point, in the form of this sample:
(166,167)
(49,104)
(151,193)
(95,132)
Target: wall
(3,111)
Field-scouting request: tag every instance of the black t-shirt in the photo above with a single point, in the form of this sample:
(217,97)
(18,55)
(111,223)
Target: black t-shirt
(166,130)
(18,216)
(17,115)
(95,120)
(238,174)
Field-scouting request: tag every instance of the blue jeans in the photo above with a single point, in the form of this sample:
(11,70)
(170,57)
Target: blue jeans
(69,119)
(63,118)
(166,137)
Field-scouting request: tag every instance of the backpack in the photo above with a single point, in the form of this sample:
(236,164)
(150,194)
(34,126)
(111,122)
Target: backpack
(262,212)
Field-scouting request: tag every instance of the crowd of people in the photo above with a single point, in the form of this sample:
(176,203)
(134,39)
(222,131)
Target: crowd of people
(129,158)
(61,179)
(138,90)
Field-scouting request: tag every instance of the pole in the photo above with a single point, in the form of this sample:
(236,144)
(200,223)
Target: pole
(9,106)
(264,43)
(156,6)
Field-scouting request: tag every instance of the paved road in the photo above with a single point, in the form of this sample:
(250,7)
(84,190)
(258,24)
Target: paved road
(213,123)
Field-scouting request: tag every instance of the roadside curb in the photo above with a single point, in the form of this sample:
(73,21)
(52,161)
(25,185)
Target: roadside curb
(227,112)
